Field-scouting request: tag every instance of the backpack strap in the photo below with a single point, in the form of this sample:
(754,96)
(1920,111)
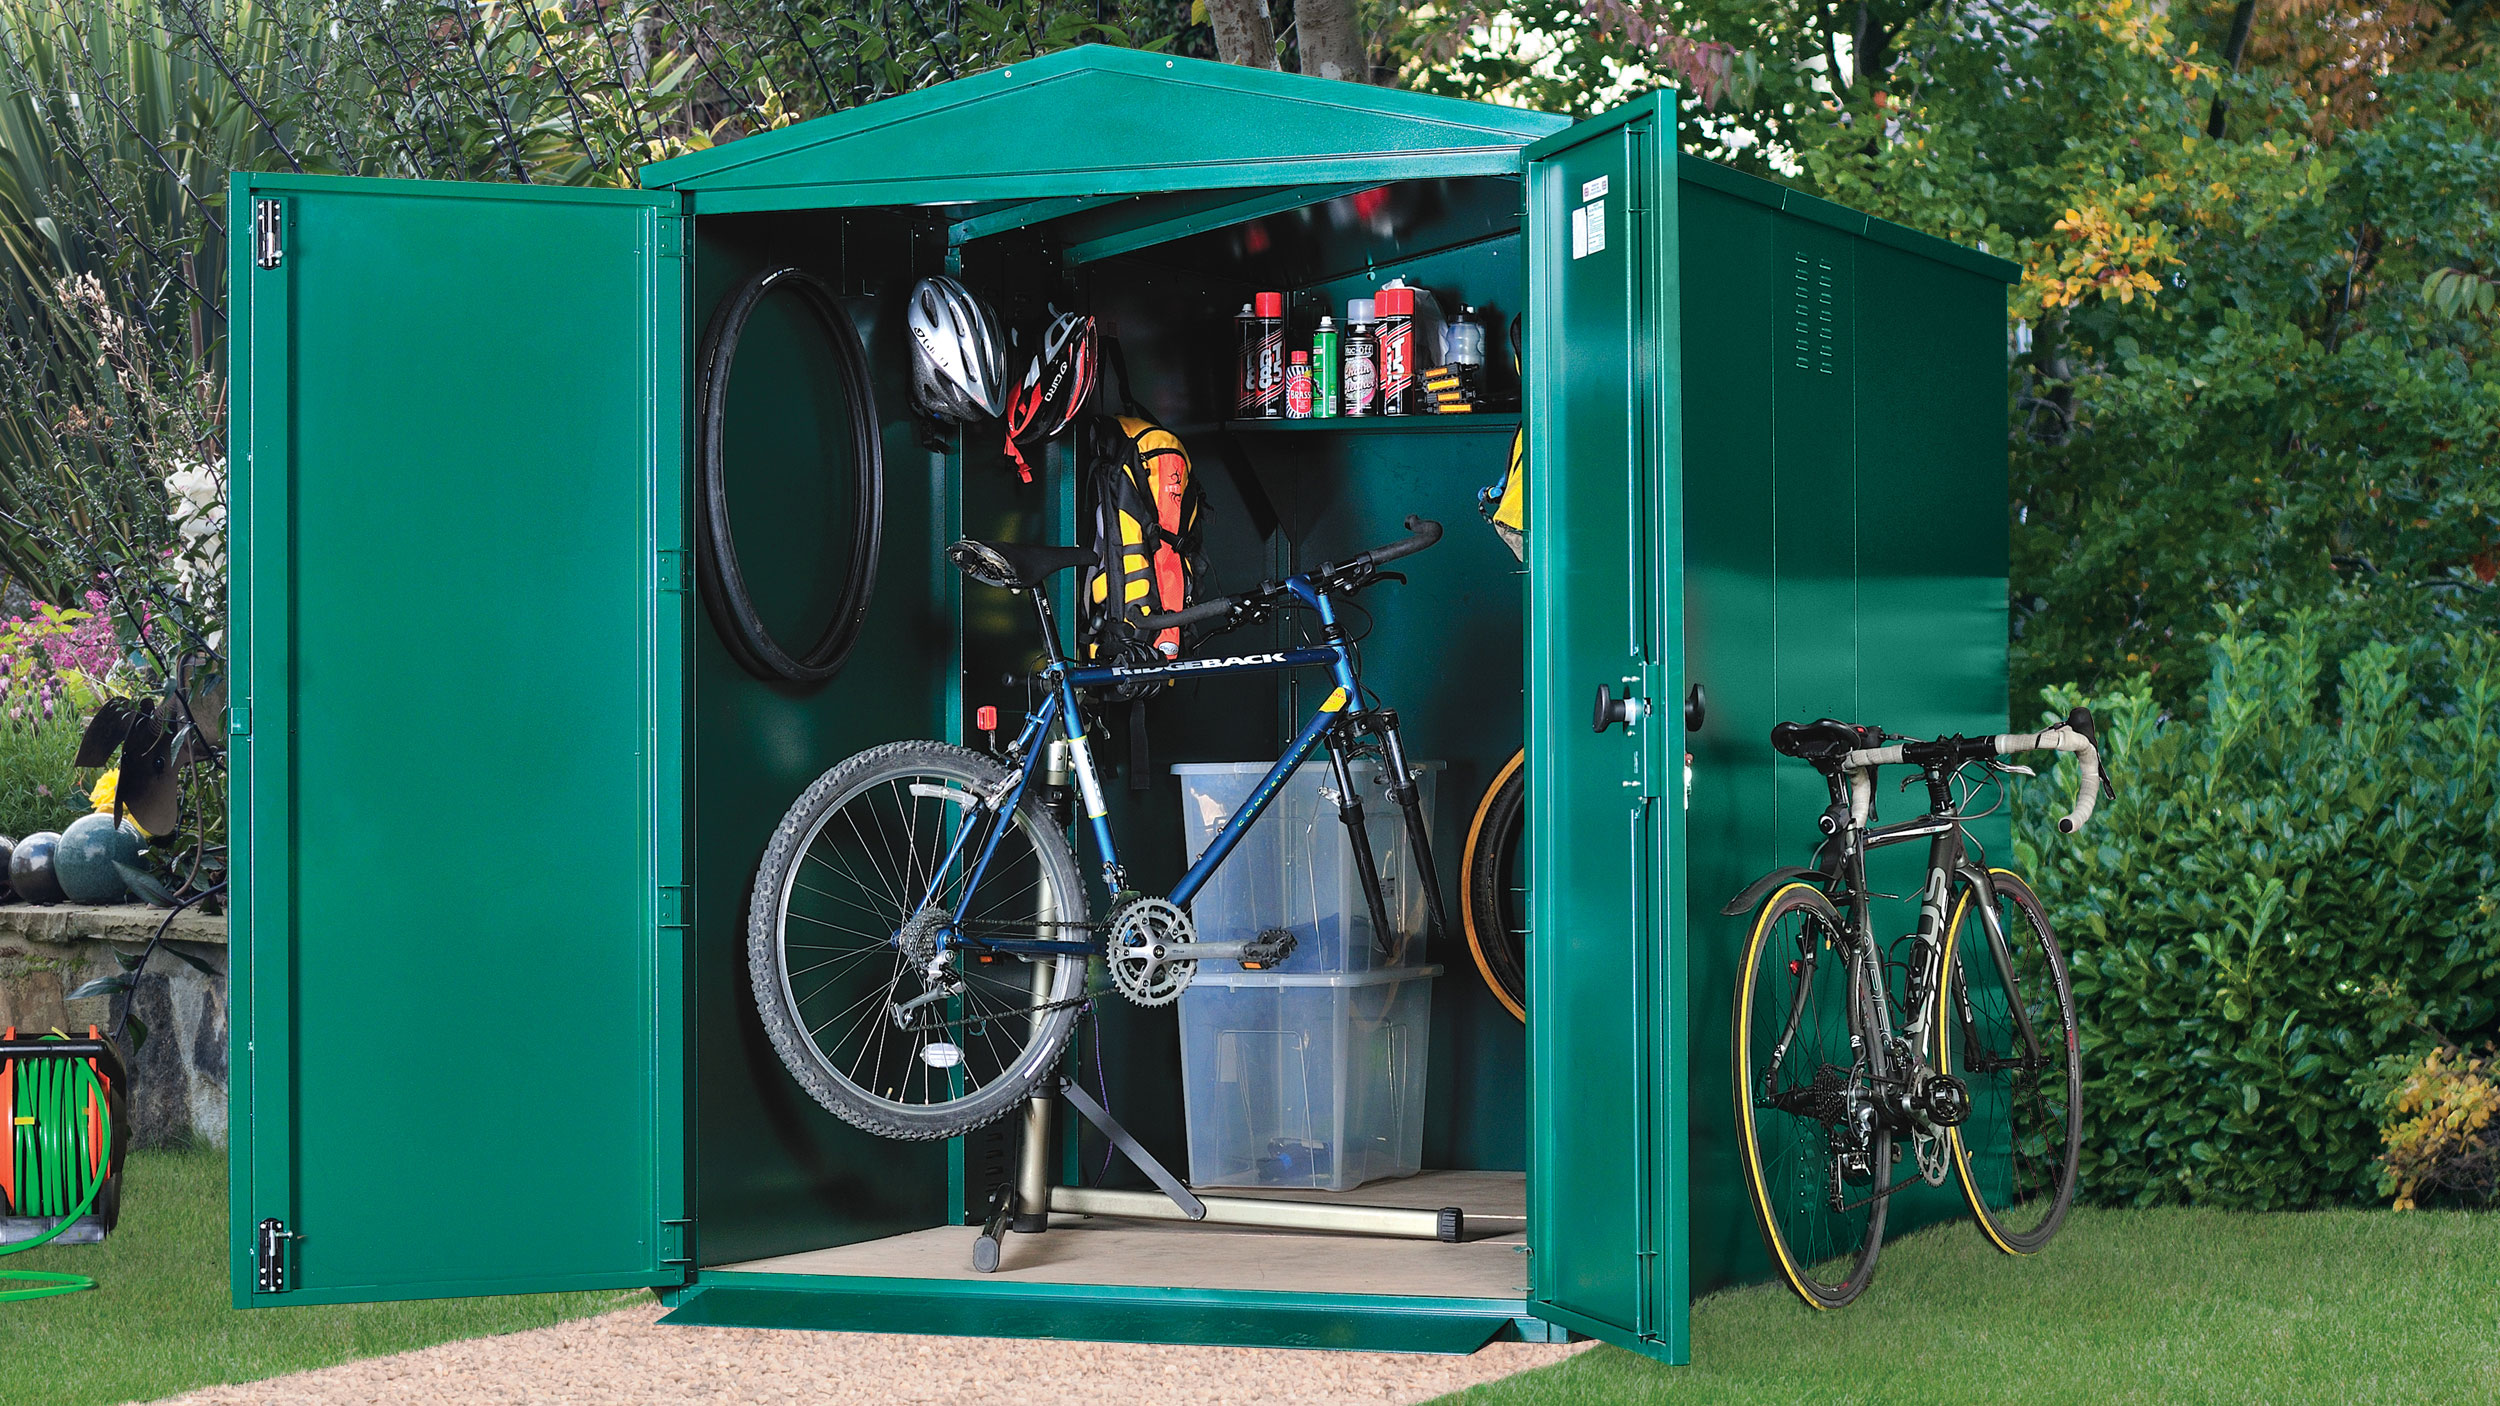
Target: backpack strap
(1114,361)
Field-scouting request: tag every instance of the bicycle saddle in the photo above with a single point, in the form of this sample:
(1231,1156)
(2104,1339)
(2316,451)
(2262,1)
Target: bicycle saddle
(1014,566)
(1822,740)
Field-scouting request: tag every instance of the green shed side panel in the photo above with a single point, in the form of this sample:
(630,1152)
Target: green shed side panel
(458,1011)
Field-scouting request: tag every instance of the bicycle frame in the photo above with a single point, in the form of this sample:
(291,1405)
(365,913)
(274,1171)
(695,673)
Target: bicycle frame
(1924,999)
(1061,681)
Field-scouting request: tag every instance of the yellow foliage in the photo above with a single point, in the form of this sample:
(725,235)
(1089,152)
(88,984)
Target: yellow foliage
(2108,254)
(2441,1134)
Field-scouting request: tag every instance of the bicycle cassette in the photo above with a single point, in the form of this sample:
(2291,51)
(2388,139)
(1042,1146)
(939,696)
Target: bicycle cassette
(1141,936)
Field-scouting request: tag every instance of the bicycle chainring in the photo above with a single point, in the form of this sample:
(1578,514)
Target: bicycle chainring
(1140,935)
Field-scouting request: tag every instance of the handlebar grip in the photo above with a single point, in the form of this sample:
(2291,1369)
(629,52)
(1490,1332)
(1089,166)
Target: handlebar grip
(1866,757)
(2063,738)
(1422,532)
(1189,615)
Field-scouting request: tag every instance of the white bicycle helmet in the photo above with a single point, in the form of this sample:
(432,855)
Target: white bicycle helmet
(958,362)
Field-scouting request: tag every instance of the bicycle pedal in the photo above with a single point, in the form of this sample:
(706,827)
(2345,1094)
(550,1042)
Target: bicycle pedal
(1268,949)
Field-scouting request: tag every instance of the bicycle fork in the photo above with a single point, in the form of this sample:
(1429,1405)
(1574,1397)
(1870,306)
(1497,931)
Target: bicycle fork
(1382,723)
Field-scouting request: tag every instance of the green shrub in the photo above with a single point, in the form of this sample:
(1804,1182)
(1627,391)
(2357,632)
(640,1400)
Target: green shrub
(38,789)
(2285,890)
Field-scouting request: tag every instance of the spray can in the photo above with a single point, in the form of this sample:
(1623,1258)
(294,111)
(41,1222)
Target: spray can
(1396,303)
(1298,387)
(1325,376)
(1246,364)
(1361,393)
(1271,401)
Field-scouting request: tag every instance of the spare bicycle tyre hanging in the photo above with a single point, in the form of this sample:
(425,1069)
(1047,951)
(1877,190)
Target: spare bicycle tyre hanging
(723,586)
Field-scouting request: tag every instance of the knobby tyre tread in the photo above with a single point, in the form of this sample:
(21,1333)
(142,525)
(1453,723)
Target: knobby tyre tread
(1495,828)
(799,825)
(1780,1224)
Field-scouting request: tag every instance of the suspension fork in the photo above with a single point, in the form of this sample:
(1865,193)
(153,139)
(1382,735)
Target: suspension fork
(1350,811)
(1403,788)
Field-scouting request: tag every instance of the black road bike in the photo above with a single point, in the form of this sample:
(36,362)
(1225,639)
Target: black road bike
(1954,1045)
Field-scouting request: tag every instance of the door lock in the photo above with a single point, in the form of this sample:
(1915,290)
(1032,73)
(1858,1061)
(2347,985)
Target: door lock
(1626,710)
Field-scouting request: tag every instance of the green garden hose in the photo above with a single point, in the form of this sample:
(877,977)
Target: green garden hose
(59,1172)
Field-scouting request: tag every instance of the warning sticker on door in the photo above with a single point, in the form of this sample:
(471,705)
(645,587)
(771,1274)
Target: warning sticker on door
(1591,189)
(1588,229)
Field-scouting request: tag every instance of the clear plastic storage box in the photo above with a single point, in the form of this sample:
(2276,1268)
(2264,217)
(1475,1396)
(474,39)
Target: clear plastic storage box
(1295,869)
(1310,1080)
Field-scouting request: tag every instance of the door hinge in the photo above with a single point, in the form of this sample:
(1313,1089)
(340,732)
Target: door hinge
(239,718)
(672,236)
(673,571)
(268,232)
(672,905)
(269,1255)
(677,1242)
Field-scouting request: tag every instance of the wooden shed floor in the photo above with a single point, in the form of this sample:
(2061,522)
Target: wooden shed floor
(1182,1255)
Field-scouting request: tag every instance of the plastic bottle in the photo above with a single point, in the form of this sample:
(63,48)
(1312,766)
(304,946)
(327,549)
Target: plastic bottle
(1298,387)
(1271,386)
(1462,350)
(1396,303)
(1360,393)
(1325,376)
(1246,371)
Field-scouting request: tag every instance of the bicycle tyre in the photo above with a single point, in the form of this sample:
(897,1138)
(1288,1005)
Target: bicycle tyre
(1492,894)
(1791,1164)
(862,877)
(2020,1180)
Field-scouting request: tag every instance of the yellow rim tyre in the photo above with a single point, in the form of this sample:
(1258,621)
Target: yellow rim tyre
(2016,1154)
(1815,1154)
(1493,887)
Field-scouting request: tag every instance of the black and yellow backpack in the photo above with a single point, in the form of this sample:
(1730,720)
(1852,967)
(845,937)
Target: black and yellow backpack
(1148,552)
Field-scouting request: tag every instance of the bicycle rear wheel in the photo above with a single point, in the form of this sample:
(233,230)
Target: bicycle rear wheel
(1816,1155)
(1493,888)
(883,1003)
(2016,1153)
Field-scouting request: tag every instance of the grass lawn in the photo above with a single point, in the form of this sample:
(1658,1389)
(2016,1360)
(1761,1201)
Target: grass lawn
(2124,1306)
(158,1322)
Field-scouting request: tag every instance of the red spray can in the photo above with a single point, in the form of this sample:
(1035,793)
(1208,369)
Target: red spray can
(1395,306)
(1271,319)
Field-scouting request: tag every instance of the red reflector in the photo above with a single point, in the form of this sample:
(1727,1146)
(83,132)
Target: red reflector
(986,718)
(1796,967)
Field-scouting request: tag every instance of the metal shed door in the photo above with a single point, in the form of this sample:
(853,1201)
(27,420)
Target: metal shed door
(1605,1020)
(458,646)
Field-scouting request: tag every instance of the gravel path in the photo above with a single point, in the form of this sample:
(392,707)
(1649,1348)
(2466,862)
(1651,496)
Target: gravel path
(626,1359)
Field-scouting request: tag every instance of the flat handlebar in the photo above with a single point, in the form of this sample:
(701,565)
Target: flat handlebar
(1422,532)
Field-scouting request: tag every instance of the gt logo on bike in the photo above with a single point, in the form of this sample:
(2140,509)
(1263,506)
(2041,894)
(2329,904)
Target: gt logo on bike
(1203,664)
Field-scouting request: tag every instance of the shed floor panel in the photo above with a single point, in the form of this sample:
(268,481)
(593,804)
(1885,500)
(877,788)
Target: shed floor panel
(1181,1255)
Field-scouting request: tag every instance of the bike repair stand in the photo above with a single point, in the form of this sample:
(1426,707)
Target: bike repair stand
(1025,1205)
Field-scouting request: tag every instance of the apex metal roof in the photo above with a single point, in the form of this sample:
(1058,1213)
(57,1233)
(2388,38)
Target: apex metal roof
(1098,120)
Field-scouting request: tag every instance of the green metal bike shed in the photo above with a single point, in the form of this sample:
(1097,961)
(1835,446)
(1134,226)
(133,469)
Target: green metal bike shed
(498,791)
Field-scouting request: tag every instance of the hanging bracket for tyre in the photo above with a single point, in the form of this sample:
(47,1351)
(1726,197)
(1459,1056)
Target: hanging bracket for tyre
(722,583)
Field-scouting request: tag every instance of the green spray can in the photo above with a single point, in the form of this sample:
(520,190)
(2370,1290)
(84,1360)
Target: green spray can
(1324,372)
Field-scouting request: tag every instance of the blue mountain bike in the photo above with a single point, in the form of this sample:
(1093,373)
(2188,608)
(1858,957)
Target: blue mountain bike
(919,935)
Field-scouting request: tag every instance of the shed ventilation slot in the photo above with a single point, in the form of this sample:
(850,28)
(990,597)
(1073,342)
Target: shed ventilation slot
(1815,306)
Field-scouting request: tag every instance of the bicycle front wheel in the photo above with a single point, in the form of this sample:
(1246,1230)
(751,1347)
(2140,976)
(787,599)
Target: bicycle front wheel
(2008,1033)
(1816,1154)
(871,968)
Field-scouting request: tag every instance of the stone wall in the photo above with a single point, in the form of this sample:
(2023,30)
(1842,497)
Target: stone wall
(178,1075)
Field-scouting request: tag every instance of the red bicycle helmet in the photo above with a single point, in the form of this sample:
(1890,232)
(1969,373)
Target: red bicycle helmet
(1055,387)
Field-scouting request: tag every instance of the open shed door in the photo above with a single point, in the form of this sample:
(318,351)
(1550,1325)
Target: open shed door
(1606,1055)
(459,637)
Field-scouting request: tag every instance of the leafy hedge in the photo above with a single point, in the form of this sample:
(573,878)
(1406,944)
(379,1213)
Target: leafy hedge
(2286,889)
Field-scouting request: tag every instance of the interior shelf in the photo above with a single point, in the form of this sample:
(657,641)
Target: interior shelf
(1480,420)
